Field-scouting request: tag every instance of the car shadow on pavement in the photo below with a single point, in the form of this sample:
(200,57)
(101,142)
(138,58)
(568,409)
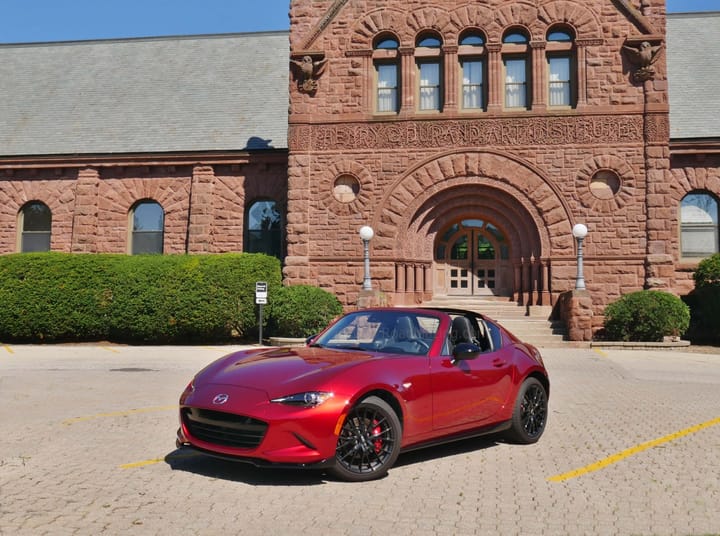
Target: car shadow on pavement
(445,450)
(191,461)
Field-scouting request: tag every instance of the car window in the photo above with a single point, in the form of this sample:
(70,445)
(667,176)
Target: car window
(494,333)
(472,329)
(400,332)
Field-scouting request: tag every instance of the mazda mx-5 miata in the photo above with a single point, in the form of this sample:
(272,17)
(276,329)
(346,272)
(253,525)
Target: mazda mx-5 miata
(375,383)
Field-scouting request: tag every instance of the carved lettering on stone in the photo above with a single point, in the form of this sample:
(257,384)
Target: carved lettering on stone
(471,133)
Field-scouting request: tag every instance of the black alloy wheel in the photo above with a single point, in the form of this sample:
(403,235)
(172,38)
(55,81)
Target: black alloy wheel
(369,441)
(530,413)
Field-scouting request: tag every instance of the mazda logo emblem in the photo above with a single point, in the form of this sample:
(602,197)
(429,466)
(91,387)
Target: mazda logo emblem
(220,399)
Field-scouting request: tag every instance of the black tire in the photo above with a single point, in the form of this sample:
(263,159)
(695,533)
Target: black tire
(530,413)
(369,441)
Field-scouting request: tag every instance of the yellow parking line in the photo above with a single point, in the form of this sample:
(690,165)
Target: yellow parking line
(145,463)
(8,349)
(141,464)
(599,352)
(632,451)
(110,349)
(68,422)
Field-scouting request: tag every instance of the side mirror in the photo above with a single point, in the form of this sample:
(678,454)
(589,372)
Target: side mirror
(465,350)
(310,339)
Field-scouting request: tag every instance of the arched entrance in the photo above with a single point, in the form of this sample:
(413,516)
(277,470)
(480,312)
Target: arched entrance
(472,258)
(473,223)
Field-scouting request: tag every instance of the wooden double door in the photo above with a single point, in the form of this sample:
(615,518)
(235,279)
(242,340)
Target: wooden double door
(472,258)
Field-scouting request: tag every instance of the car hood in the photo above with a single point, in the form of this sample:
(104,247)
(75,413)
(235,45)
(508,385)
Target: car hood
(281,371)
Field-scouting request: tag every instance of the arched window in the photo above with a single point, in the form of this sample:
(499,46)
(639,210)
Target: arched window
(429,68)
(561,67)
(471,53)
(515,52)
(699,225)
(264,229)
(148,224)
(35,222)
(386,61)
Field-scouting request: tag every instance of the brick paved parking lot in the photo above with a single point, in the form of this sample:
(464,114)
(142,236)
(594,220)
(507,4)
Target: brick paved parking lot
(87,447)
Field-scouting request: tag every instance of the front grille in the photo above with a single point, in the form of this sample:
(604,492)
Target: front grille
(226,429)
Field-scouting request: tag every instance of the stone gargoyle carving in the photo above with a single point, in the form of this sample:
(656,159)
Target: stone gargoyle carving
(307,71)
(643,58)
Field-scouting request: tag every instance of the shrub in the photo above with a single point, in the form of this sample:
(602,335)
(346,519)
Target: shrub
(704,306)
(301,310)
(704,302)
(646,315)
(189,297)
(144,298)
(708,272)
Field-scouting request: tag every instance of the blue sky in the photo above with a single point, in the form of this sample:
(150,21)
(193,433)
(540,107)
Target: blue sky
(23,21)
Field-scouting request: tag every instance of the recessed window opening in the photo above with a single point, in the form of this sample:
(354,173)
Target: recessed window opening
(36,226)
(148,224)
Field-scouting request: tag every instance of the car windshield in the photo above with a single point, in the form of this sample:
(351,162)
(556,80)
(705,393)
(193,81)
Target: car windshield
(397,332)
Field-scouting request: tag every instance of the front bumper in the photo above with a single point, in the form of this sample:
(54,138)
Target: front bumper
(254,430)
(180,443)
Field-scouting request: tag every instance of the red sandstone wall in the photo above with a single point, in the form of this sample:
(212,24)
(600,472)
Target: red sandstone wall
(542,158)
(204,204)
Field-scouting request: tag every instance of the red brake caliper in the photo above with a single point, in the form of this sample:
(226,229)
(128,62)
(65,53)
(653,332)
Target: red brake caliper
(376,432)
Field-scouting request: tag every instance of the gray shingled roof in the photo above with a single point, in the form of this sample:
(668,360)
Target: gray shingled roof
(230,92)
(202,93)
(693,55)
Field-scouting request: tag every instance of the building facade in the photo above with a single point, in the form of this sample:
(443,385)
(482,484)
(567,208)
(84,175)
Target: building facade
(471,136)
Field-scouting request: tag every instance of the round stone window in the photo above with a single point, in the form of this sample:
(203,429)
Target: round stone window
(346,188)
(605,184)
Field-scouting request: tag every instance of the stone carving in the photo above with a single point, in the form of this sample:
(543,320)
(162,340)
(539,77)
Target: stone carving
(657,128)
(468,133)
(307,71)
(643,58)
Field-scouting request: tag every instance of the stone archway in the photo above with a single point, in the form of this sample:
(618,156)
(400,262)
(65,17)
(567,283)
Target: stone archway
(491,187)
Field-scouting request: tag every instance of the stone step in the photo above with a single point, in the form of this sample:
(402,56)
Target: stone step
(530,324)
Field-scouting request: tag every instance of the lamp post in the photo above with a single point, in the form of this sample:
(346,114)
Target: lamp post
(579,231)
(366,234)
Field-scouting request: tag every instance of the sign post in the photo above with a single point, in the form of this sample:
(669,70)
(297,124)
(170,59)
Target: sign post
(261,295)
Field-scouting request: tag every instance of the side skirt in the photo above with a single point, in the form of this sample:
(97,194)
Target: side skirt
(477,432)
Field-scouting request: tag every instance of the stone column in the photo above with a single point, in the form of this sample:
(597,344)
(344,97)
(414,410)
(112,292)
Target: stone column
(450,65)
(85,215)
(407,80)
(539,70)
(200,211)
(495,74)
(297,262)
(661,208)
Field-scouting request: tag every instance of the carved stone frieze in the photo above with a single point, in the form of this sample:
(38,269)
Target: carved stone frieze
(657,128)
(468,133)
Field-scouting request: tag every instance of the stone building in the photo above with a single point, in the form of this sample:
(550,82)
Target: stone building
(471,136)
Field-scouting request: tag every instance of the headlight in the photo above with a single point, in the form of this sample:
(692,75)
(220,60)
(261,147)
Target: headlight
(304,400)
(190,389)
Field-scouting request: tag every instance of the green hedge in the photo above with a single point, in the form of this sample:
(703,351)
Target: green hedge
(646,315)
(301,310)
(145,298)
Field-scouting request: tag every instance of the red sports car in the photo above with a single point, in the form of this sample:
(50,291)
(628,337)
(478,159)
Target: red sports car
(375,383)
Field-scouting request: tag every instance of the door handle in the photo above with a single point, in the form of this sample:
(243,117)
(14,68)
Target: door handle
(497,362)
